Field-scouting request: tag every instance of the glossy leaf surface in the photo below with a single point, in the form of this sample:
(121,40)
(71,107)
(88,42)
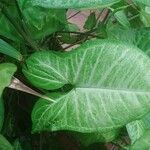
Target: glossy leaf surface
(108,77)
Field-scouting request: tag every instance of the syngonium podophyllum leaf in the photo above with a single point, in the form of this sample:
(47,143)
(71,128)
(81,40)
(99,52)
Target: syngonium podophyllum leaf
(73,3)
(4,144)
(135,130)
(7,49)
(42,21)
(143,142)
(139,131)
(139,37)
(111,86)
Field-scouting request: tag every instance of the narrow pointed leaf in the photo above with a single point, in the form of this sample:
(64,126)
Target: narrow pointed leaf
(7,49)
(111,83)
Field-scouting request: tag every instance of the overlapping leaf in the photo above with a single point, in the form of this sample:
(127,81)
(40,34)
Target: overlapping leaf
(139,133)
(111,87)
(73,3)
(139,37)
(42,21)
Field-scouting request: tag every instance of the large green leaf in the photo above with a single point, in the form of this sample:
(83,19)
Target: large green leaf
(42,21)
(73,3)
(111,83)
(4,144)
(7,49)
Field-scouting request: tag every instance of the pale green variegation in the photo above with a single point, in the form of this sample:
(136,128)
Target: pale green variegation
(73,3)
(143,143)
(139,37)
(139,133)
(135,130)
(145,2)
(111,87)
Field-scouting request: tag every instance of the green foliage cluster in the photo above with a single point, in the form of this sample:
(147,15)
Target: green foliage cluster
(92,97)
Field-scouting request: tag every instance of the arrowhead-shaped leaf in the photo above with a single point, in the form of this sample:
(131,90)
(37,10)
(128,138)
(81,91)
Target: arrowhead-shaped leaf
(111,83)
(73,3)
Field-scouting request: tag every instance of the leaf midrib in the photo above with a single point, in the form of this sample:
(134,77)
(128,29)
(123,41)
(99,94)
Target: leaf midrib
(113,90)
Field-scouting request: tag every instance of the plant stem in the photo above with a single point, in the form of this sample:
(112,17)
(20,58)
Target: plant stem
(73,15)
(81,33)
